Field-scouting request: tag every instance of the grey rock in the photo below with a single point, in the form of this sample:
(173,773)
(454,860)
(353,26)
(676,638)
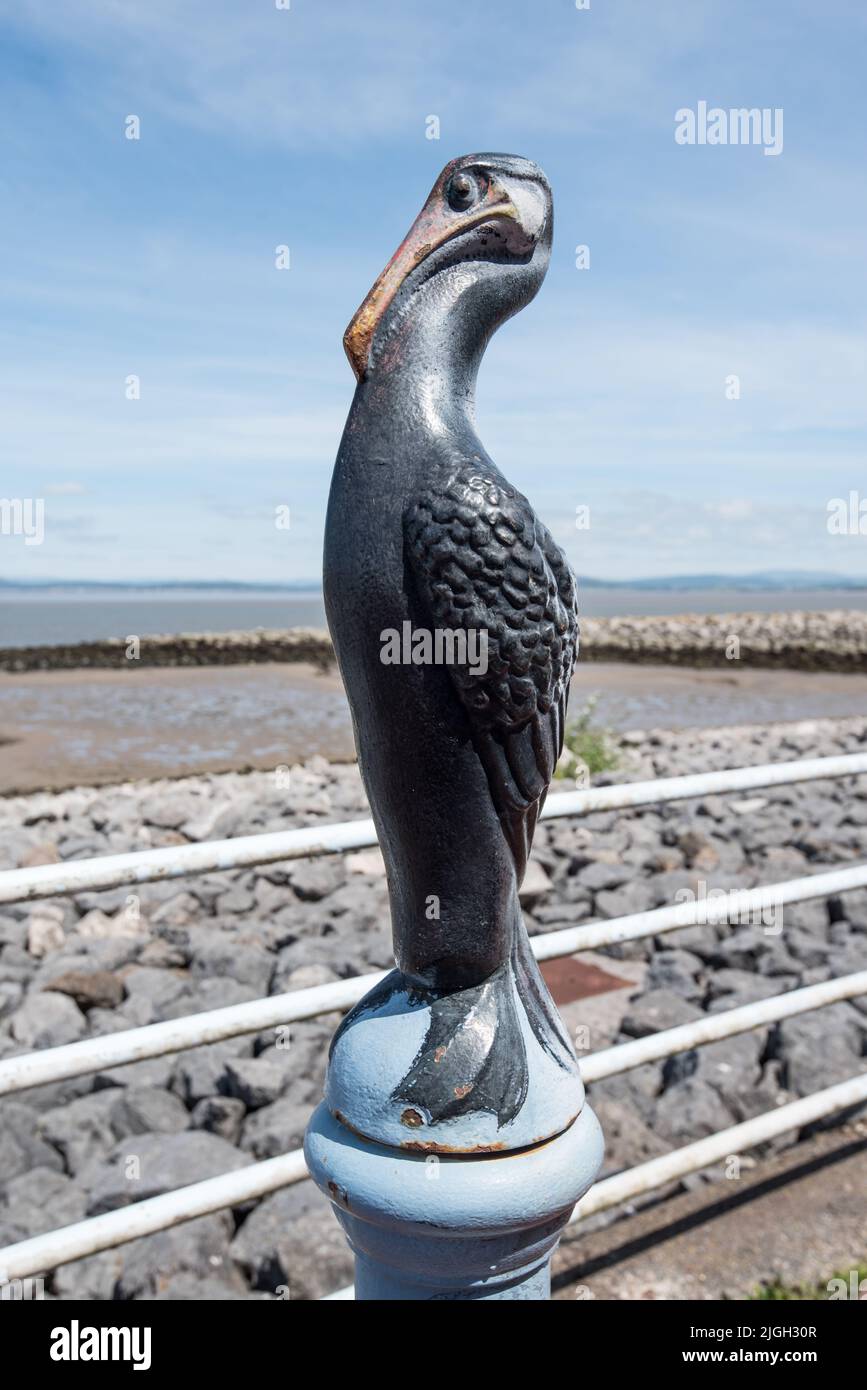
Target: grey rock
(201,1072)
(93,1280)
(48,1020)
(198,1251)
(292,1242)
(655,1011)
(80,1131)
(628,1140)
(819,1049)
(730,1066)
(145,1165)
(729,989)
(637,896)
(220,954)
(22,1149)
(313,879)
(257,1081)
(678,972)
(168,811)
(146,1110)
(276,1128)
(596,876)
(41,1199)
(221,1115)
(692,1108)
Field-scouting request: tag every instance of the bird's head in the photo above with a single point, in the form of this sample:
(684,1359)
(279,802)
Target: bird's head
(488,224)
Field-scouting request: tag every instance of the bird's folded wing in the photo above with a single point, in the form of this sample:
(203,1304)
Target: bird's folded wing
(483,564)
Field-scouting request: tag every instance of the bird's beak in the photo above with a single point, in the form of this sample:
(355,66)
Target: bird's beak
(436,223)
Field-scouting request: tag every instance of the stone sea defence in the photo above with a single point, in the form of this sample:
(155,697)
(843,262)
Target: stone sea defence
(799,641)
(95,963)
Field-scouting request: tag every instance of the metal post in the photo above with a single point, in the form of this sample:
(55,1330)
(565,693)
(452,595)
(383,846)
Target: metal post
(462,1227)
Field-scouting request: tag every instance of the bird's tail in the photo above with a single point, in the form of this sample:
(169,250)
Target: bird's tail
(474,1054)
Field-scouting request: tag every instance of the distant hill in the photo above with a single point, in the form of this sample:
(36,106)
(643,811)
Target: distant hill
(762,581)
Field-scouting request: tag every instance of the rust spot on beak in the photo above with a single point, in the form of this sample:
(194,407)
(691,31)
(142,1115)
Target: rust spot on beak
(436,224)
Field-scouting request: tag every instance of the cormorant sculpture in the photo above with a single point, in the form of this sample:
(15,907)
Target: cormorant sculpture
(425,537)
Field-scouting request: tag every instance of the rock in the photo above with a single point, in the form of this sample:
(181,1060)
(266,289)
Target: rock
(729,989)
(535,885)
(146,1110)
(22,1149)
(698,850)
(255,1080)
(731,1066)
(202,1072)
(819,1049)
(366,861)
(81,1131)
(145,1165)
(692,1108)
(655,1011)
(276,1128)
(11,995)
(313,879)
(197,1250)
(179,910)
(169,812)
(96,925)
(98,989)
(237,899)
(44,934)
(309,977)
(292,1241)
(48,1020)
(628,1140)
(218,953)
(41,1199)
(45,852)
(637,896)
(676,971)
(220,1115)
(598,875)
(94,1278)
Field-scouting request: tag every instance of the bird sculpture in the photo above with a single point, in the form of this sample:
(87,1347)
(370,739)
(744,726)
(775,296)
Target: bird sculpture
(457,747)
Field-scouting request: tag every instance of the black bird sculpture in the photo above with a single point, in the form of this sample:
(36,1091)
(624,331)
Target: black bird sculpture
(424,535)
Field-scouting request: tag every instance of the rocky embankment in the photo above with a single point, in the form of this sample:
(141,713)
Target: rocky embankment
(834,641)
(98,963)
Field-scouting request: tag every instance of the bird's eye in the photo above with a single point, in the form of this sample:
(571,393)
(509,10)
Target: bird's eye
(463,190)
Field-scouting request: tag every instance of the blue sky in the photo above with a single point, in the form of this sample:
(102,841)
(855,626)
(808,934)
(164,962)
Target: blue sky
(307,127)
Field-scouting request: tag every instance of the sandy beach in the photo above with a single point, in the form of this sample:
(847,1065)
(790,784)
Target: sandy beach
(63,728)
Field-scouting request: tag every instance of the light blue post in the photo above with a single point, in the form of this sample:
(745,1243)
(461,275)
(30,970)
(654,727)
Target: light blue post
(426,1217)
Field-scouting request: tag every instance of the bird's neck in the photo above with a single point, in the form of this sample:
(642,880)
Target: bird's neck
(425,372)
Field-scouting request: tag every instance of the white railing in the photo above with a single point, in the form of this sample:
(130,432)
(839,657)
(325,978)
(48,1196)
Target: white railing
(193,1030)
(88,1237)
(246,851)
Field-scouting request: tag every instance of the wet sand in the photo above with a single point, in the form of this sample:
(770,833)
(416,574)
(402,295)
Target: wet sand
(66,728)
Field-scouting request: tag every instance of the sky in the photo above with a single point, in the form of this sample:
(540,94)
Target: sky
(693,401)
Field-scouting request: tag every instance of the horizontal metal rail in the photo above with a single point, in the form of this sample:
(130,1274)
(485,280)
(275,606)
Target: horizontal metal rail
(611,1061)
(692,1158)
(647,1177)
(97,1233)
(175,1035)
(246,851)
